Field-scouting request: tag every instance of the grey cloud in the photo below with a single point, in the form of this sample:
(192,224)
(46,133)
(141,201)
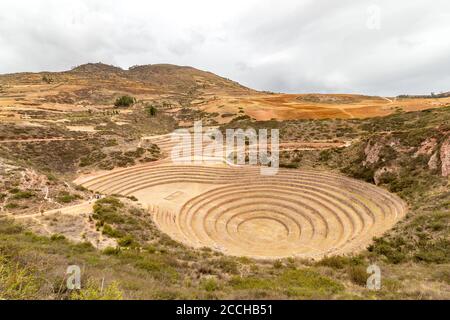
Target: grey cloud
(288,46)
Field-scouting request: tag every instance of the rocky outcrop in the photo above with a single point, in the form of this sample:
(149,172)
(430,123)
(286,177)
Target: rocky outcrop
(445,157)
(433,162)
(427,147)
(372,153)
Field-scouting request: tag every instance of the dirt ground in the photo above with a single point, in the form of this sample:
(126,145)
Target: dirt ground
(294,106)
(236,211)
(223,99)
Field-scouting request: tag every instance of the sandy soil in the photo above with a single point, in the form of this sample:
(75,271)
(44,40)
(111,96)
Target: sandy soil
(72,221)
(237,211)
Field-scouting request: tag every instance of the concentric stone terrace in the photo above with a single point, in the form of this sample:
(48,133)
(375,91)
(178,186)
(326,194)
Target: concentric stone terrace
(239,212)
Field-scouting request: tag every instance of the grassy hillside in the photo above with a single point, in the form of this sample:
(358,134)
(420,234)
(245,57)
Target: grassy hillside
(401,152)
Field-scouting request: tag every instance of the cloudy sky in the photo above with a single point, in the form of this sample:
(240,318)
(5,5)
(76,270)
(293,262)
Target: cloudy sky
(374,47)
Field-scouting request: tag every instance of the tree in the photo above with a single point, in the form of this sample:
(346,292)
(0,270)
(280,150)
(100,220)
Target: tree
(47,79)
(151,110)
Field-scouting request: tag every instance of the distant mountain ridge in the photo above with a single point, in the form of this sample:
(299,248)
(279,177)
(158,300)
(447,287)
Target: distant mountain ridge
(162,76)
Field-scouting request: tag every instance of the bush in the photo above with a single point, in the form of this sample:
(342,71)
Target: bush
(295,283)
(11,205)
(93,292)
(106,210)
(339,262)
(435,252)
(111,232)
(358,275)
(357,170)
(126,241)
(83,247)
(324,155)
(226,265)
(251,283)
(308,283)
(66,197)
(151,110)
(51,177)
(47,79)
(158,269)
(209,285)
(17,282)
(14,190)
(124,101)
(56,237)
(80,188)
(9,227)
(392,251)
(292,165)
(23,195)
(111,251)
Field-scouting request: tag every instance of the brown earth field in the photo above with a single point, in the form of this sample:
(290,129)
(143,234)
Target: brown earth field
(95,87)
(317,106)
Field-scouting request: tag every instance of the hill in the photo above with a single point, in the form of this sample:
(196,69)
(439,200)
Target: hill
(96,86)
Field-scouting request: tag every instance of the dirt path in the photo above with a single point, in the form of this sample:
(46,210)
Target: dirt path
(344,110)
(39,140)
(70,210)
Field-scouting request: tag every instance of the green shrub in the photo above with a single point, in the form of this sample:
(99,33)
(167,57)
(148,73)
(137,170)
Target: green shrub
(47,79)
(295,283)
(12,205)
(94,157)
(80,188)
(56,237)
(111,251)
(151,110)
(126,241)
(277,264)
(65,197)
(83,247)
(14,190)
(308,283)
(94,292)
(124,101)
(357,170)
(392,251)
(324,155)
(8,227)
(111,232)
(226,264)
(17,282)
(209,285)
(435,252)
(158,269)
(358,275)
(23,195)
(51,177)
(291,165)
(106,210)
(246,283)
(339,262)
